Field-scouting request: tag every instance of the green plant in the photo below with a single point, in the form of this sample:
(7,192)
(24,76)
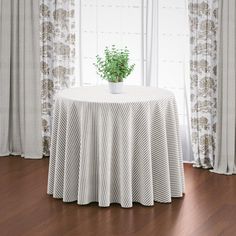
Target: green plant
(115,66)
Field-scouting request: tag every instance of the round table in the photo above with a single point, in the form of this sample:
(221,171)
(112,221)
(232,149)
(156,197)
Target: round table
(115,148)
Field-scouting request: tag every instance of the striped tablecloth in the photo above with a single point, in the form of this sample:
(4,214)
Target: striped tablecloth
(115,148)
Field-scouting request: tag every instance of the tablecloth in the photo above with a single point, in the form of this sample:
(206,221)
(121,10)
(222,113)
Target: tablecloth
(115,148)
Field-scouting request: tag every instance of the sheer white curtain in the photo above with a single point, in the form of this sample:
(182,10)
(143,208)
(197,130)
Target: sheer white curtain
(167,53)
(155,32)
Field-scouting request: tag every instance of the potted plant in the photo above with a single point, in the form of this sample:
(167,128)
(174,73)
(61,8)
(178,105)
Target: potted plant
(114,67)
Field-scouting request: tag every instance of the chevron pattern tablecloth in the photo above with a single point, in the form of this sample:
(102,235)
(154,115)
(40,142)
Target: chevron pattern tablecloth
(121,148)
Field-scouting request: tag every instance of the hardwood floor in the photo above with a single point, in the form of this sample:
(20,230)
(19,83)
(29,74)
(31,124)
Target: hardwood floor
(208,207)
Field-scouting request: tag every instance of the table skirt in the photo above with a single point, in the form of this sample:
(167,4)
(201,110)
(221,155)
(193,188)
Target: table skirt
(116,153)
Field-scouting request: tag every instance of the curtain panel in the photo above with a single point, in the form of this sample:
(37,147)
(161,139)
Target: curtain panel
(203,65)
(225,161)
(20,108)
(57,50)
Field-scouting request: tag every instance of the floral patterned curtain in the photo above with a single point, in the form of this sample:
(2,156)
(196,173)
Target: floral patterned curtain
(203,64)
(57,44)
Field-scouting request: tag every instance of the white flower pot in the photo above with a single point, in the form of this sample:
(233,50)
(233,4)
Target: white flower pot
(115,88)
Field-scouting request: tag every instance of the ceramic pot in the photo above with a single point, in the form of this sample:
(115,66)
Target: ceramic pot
(115,88)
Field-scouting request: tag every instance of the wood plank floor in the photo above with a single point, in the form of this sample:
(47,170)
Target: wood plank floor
(208,207)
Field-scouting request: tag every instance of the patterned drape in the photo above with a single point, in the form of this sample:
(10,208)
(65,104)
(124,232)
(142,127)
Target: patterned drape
(57,37)
(203,64)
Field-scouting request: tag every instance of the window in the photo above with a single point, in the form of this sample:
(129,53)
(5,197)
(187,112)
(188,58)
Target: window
(121,22)
(106,23)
